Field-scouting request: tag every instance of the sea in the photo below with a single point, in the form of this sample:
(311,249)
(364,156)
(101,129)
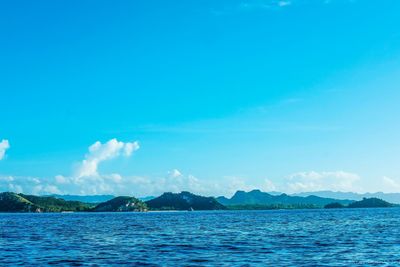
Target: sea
(337,237)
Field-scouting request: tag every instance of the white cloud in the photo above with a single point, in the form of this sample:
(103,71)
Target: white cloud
(146,186)
(6,179)
(27,185)
(390,185)
(4,145)
(59,179)
(175,173)
(99,152)
(268,186)
(45,189)
(233,183)
(15,188)
(173,181)
(87,179)
(317,181)
(116,184)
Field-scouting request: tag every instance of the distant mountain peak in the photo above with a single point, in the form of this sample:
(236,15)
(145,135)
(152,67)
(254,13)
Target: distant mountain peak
(257,197)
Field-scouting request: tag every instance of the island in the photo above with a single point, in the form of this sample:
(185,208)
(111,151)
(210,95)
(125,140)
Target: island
(183,201)
(122,203)
(259,200)
(365,203)
(12,202)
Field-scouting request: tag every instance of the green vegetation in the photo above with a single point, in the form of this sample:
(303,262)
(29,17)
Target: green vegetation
(184,201)
(52,204)
(12,202)
(370,203)
(257,198)
(365,203)
(121,204)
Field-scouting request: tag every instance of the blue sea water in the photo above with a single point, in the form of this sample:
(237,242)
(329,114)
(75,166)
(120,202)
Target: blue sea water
(343,237)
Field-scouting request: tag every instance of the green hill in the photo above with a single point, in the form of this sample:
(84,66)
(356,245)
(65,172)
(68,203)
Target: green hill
(365,203)
(122,203)
(12,202)
(370,203)
(183,201)
(52,204)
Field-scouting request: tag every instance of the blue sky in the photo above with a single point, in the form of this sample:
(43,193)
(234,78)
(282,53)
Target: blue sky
(219,95)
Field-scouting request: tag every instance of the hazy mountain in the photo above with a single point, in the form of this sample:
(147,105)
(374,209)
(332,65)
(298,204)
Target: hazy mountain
(183,201)
(86,199)
(256,197)
(390,197)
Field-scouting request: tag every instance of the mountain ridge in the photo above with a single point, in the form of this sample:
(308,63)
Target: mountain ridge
(13,202)
(121,204)
(184,201)
(241,200)
(257,197)
(390,197)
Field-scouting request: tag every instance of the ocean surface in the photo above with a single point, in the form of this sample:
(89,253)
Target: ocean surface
(345,237)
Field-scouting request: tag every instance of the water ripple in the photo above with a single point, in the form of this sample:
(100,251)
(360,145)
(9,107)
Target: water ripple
(356,237)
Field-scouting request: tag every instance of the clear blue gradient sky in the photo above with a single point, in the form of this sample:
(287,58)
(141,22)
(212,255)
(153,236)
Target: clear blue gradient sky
(296,95)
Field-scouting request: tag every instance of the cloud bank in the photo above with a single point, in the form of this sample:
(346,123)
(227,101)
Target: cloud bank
(176,181)
(319,181)
(391,185)
(87,180)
